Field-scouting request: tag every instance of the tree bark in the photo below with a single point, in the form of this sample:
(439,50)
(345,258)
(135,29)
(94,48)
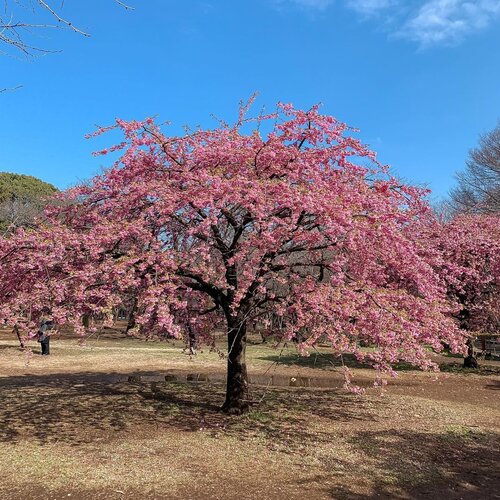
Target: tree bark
(131,316)
(192,340)
(237,378)
(21,343)
(470,360)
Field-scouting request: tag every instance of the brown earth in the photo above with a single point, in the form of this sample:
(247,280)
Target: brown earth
(72,425)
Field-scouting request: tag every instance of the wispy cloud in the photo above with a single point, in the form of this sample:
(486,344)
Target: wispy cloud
(425,22)
(449,21)
(431,22)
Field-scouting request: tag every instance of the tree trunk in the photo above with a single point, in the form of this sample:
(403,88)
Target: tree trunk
(192,340)
(237,377)
(21,342)
(470,360)
(131,316)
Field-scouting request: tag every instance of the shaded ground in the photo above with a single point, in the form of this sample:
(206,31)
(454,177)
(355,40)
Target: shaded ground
(73,423)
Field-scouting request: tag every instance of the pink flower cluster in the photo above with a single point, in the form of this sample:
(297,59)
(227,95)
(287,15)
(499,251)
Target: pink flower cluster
(227,226)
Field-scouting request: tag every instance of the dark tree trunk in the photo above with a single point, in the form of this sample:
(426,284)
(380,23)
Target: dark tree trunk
(86,320)
(237,377)
(21,342)
(192,340)
(131,316)
(470,360)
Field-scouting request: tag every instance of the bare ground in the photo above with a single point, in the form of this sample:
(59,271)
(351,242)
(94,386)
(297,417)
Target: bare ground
(73,425)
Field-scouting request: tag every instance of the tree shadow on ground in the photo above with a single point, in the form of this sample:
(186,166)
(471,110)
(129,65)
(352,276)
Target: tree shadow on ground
(11,347)
(326,361)
(320,360)
(82,408)
(460,463)
(494,385)
(482,369)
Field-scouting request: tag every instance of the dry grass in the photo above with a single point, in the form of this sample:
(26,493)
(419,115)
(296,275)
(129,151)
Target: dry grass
(72,425)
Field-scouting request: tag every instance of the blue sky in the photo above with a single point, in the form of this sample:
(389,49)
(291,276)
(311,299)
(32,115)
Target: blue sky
(420,79)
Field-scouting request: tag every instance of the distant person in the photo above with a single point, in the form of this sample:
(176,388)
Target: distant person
(44,336)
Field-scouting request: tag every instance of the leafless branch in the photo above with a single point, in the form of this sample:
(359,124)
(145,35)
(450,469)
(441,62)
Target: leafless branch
(14,33)
(11,89)
(478,189)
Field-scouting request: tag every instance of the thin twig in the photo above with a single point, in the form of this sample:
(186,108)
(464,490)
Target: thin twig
(10,89)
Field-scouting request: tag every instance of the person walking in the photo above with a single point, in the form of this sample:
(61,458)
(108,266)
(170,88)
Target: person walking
(44,336)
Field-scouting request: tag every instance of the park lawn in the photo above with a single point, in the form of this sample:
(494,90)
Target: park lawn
(75,425)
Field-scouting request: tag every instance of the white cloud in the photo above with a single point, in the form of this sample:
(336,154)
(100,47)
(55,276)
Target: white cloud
(425,22)
(430,22)
(449,21)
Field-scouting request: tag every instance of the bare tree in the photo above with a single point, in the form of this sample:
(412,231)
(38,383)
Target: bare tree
(19,22)
(478,189)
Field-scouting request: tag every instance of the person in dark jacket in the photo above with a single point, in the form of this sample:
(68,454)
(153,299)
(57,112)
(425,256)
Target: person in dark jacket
(44,336)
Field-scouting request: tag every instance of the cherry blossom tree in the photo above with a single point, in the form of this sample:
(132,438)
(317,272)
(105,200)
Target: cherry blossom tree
(470,249)
(226,226)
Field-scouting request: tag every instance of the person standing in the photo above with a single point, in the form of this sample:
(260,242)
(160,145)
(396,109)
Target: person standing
(44,336)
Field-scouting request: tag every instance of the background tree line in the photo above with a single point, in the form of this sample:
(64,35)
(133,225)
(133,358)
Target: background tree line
(22,199)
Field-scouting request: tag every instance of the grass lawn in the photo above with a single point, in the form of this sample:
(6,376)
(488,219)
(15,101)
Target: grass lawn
(101,422)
